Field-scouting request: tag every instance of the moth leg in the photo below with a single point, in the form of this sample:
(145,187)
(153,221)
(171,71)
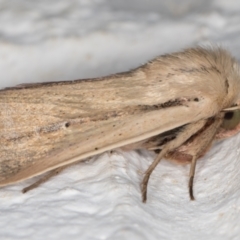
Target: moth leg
(191,177)
(182,137)
(43,179)
(149,172)
(198,146)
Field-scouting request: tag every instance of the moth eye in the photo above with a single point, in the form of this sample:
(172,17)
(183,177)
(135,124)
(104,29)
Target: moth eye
(228,115)
(231,119)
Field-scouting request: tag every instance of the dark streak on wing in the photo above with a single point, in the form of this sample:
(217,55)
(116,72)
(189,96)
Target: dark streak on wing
(163,138)
(59,83)
(201,69)
(171,103)
(226,85)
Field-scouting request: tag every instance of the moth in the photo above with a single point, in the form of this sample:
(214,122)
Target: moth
(175,105)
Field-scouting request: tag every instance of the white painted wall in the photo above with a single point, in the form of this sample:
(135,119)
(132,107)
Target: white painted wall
(52,40)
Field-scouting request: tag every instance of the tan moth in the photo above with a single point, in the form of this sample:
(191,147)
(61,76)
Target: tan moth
(176,105)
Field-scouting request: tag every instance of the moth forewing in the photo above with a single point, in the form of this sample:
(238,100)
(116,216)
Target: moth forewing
(45,126)
(71,144)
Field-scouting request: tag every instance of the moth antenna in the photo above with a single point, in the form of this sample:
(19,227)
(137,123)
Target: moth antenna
(43,179)
(149,172)
(231,109)
(191,177)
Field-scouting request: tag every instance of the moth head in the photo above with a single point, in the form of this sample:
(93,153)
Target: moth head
(231,119)
(230,125)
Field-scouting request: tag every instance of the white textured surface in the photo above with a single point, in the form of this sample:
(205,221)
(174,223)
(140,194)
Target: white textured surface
(100,198)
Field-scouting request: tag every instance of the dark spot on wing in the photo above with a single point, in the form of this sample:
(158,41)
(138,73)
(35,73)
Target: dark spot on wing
(67,124)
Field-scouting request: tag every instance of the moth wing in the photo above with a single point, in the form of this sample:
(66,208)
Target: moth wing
(45,126)
(37,138)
